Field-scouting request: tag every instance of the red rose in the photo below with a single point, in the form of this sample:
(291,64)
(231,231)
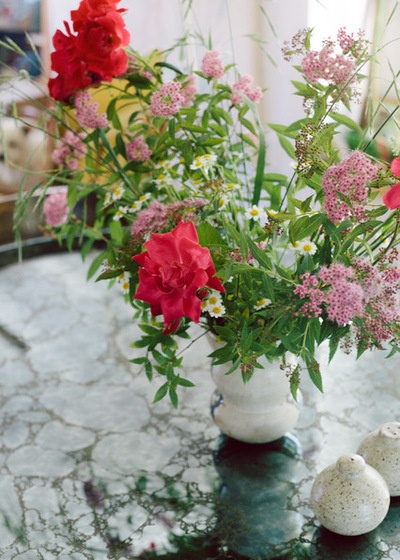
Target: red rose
(94,55)
(172,270)
(100,43)
(391,198)
(92,9)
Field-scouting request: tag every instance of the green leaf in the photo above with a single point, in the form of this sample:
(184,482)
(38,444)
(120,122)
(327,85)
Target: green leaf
(162,391)
(209,236)
(315,374)
(173,395)
(304,226)
(95,264)
(287,146)
(347,121)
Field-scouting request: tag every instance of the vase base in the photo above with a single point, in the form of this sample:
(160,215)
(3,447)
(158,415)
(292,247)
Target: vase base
(254,427)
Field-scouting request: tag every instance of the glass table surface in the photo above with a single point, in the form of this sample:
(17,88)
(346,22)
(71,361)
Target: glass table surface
(91,469)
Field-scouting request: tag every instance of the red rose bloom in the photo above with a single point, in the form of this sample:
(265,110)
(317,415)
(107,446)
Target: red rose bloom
(89,9)
(172,270)
(96,54)
(391,198)
(100,43)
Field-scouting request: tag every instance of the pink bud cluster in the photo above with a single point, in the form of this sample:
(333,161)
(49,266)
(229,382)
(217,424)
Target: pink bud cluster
(343,298)
(86,111)
(212,65)
(167,100)
(381,299)
(55,208)
(327,65)
(245,87)
(349,178)
(157,217)
(138,150)
(189,90)
(359,291)
(70,149)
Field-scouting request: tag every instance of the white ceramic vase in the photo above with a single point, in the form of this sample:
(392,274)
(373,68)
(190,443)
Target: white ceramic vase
(350,497)
(258,411)
(381,450)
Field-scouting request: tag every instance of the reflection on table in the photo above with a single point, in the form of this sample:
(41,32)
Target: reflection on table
(91,469)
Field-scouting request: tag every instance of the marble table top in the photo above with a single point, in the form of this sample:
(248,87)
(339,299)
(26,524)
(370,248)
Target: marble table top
(90,469)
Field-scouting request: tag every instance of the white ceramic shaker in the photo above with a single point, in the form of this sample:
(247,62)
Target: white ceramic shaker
(350,497)
(381,450)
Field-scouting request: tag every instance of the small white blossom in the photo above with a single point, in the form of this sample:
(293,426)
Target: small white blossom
(261,303)
(120,213)
(306,247)
(205,162)
(123,280)
(118,192)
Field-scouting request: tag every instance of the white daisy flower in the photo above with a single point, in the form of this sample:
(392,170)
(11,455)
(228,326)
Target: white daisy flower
(120,213)
(217,310)
(118,192)
(123,280)
(261,303)
(306,247)
(257,213)
(205,162)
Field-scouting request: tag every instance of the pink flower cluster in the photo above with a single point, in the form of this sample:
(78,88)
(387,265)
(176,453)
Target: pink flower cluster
(245,87)
(167,100)
(381,300)
(345,296)
(327,65)
(346,293)
(348,43)
(189,90)
(56,208)
(86,111)
(212,65)
(343,299)
(138,150)
(349,178)
(158,216)
(70,149)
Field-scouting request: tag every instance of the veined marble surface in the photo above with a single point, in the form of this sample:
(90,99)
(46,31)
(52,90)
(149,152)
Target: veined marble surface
(90,469)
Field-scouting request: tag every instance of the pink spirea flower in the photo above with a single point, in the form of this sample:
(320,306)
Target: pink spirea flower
(189,90)
(138,150)
(86,111)
(381,302)
(158,216)
(212,65)
(167,100)
(327,65)
(349,178)
(245,87)
(348,43)
(308,289)
(55,208)
(70,149)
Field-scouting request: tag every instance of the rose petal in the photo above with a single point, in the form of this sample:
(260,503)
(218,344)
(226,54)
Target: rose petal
(395,166)
(391,198)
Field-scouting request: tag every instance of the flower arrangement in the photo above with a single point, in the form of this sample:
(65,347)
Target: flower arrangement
(193,226)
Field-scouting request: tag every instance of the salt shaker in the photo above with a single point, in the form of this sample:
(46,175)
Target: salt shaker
(381,450)
(350,497)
